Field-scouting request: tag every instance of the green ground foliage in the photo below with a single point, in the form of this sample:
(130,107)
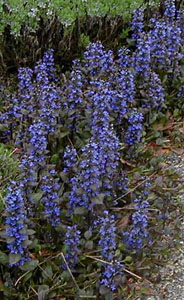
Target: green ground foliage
(28,28)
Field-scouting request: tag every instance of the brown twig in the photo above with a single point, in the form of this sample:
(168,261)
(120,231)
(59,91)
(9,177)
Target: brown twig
(133,189)
(72,146)
(68,268)
(109,263)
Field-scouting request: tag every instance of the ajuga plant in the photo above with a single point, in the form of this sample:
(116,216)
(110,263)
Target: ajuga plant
(74,183)
(33,113)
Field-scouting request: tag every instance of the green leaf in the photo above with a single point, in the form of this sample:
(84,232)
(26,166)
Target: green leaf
(88,234)
(6,291)
(63,134)
(30,231)
(104,290)
(14,258)
(151,196)
(48,272)
(98,199)
(159,181)
(3,258)
(80,211)
(128,259)
(30,265)
(89,245)
(27,277)
(43,291)
(64,177)
(37,197)
(54,158)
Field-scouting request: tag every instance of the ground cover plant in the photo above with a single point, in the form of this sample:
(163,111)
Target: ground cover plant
(90,194)
(66,26)
(67,11)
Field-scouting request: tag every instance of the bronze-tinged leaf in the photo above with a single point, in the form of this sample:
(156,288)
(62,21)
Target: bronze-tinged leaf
(181,129)
(148,291)
(162,127)
(163,151)
(116,42)
(124,222)
(1,283)
(138,287)
(178,151)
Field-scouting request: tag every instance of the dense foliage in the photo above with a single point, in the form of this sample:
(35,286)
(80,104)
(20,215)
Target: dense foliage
(88,196)
(16,12)
(28,28)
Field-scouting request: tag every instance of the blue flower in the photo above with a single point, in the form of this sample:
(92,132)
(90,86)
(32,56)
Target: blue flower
(16,221)
(165,41)
(72,241)
(154,92)
(109,274)
(108,236)
(125,92)
(108,246)
(139,232)
(98,61)
(70,158)
(72,91)
(124,57)
(45,70)
(134,130)
(25,76)
(49,187)
(137,22)
(142,56)
(170,9)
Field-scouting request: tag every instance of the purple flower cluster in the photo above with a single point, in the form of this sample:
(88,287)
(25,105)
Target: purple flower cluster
(180,93)
(105,95)
(37,104)
(96,170)
(125,92)
(25,78)
(19,104)
(135,127)
(50,198)
(16,222)
(154,97)
(142,57)
(72,241)
(48,63)
(124,57)
(97,60)
(99,160)
(137,22)
(165,40)
(107,232)
(45,69)
(111,271)
(73,90)
(170,9)
(108,245)
(70,158)
(136,237)
(48,106)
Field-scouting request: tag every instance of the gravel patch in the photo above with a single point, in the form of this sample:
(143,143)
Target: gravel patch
(171,283)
